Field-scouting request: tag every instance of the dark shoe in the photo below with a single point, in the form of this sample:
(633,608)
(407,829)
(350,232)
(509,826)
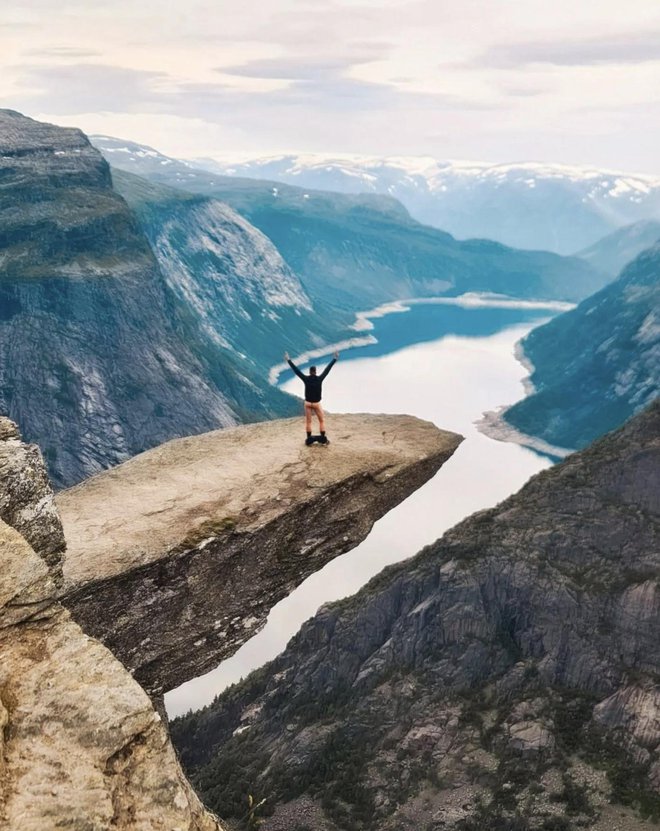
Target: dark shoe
(324,440)
(309,441)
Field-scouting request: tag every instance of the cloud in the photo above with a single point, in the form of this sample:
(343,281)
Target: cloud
(300,65)
(292,69)
(61,52)
(524,92)
(635,47)
(313,87)
(78,88)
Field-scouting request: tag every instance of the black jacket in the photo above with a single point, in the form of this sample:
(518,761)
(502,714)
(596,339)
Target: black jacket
(313,383)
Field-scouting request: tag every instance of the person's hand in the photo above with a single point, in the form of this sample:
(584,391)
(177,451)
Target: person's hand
(336,355)
(286,356)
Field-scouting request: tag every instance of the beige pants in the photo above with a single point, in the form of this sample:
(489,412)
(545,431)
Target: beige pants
(317,409)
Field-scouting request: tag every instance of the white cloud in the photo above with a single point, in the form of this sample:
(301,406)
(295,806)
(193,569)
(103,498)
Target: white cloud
(451,78)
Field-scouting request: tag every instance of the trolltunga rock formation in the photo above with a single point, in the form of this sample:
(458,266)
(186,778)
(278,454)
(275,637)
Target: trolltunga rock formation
(81,745)
(176,557)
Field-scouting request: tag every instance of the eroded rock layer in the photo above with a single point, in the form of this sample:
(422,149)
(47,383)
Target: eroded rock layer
(81,746)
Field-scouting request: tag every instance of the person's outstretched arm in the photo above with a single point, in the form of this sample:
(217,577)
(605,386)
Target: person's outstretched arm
(330,365)
(293,366)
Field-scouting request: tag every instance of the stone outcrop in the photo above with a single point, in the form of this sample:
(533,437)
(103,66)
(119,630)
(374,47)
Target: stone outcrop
(81,746)
(176,557)
(505,678)
(26,497)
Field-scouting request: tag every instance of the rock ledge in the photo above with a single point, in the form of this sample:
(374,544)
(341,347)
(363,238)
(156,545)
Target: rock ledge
(175,557)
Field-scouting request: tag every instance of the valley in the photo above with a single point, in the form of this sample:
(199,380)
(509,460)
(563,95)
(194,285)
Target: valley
(421,625)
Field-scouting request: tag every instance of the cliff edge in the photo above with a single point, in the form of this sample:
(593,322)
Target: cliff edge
(176,557)
(227,522)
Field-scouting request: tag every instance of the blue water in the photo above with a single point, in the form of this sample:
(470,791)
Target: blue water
(428,322)
(443,363)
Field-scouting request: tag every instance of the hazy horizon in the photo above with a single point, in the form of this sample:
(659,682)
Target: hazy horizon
(472,80)
(239,156)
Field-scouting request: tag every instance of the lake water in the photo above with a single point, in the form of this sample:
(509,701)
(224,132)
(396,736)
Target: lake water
(442,362)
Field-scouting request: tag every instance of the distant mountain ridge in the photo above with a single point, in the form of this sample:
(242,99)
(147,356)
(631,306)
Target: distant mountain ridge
(356,251)
(611,253)
(535,205)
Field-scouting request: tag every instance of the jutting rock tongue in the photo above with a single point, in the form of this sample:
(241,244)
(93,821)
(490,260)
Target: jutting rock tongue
(176,557)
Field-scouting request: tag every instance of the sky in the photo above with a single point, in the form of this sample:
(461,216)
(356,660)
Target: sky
(572,81)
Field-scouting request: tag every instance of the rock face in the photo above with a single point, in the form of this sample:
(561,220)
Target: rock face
(101,359)
(26,497)
(505,678)
(176,557)
(353,251)
(595,366)
(245,297)
(81,746)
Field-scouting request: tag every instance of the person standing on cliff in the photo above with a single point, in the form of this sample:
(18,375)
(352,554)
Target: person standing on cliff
(313,386)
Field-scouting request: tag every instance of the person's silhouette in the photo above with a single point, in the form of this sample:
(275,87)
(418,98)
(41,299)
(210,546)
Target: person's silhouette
(313,390)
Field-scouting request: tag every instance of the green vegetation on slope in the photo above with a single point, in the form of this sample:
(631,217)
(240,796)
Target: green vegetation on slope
(597,365)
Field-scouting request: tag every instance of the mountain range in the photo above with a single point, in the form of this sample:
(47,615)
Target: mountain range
(225,273)
(533,205)
(353,251)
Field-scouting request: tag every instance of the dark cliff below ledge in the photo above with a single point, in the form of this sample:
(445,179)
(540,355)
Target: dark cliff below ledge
(175,558)
(505,679)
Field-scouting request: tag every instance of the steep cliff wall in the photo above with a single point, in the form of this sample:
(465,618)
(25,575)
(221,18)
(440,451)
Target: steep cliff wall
(241,291)
(100,359)
(505,678)
(597,365)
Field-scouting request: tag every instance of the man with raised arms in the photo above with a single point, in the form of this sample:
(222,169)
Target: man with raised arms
(313,389)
